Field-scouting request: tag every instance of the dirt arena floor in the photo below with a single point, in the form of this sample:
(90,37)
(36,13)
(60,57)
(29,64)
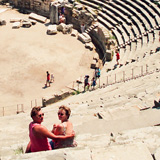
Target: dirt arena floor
(27,53)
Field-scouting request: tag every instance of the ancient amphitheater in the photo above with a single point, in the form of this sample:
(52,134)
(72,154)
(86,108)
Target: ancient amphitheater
(117,120)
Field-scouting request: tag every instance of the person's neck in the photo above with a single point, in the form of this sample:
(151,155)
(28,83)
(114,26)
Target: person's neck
(66,120)
(36,122)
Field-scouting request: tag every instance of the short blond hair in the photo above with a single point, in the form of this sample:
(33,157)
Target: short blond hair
(67,110)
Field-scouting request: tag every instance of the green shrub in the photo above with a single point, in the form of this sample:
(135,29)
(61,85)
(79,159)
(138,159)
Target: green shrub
(19,150)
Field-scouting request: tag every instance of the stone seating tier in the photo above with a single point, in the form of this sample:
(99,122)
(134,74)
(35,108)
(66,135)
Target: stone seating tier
(126,42)
(144,13)
(113,110)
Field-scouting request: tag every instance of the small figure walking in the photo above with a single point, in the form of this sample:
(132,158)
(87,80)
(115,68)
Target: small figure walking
(117,57)
(86,82)
(82,27)
(52,78)
(48,79)
(97,73)
(93,83)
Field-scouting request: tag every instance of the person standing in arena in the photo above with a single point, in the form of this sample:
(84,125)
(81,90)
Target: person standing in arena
(117,57)
(48,79)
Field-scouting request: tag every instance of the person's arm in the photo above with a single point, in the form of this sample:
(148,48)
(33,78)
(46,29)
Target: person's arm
(43,131)
(57,129)
(28,149)
(54,128)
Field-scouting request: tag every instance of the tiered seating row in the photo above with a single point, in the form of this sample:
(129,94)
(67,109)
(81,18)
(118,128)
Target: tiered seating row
(126,20)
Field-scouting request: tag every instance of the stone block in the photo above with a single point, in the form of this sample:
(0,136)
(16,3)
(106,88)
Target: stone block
(79,6)
(61,26)
(26,24)
(82,38)
(74,33)
(93,64)
(38,17)
(33,21)
(16,25)
(2,22)
(96,57)
(52,29)
(12,20)
(89,46)
(67,28)
(85,38)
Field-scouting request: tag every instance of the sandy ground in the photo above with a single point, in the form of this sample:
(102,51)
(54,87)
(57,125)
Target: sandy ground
(27,53)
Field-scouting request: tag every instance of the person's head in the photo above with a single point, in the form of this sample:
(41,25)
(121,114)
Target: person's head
(37,115)
(64,113)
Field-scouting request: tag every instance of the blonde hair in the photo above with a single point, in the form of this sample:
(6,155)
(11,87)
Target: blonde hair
(67,110)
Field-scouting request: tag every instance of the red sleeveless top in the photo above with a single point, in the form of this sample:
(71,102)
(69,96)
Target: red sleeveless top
(38,144)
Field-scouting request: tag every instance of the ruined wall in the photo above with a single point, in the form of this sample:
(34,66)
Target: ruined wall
(78,17)
(100,41)
(41,6)
(38,6)
(82,16)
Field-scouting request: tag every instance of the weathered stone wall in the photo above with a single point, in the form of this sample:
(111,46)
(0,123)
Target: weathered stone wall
(53,13)
(78,17)
(99,40)
(38,6)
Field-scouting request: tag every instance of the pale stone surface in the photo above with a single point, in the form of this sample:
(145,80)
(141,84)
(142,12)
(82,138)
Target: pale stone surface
(157,154)
(89,46)
(74,33)
(126,152)
(82,38)
(33,21)
(61,26)
(52,29)
(38,17)
(16,25)
(93,64)
(26,24)
(12,20)
(67,29)
(85,38)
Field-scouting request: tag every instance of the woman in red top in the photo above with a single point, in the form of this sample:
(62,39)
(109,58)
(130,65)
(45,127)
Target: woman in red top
(117,57)
(48,79)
